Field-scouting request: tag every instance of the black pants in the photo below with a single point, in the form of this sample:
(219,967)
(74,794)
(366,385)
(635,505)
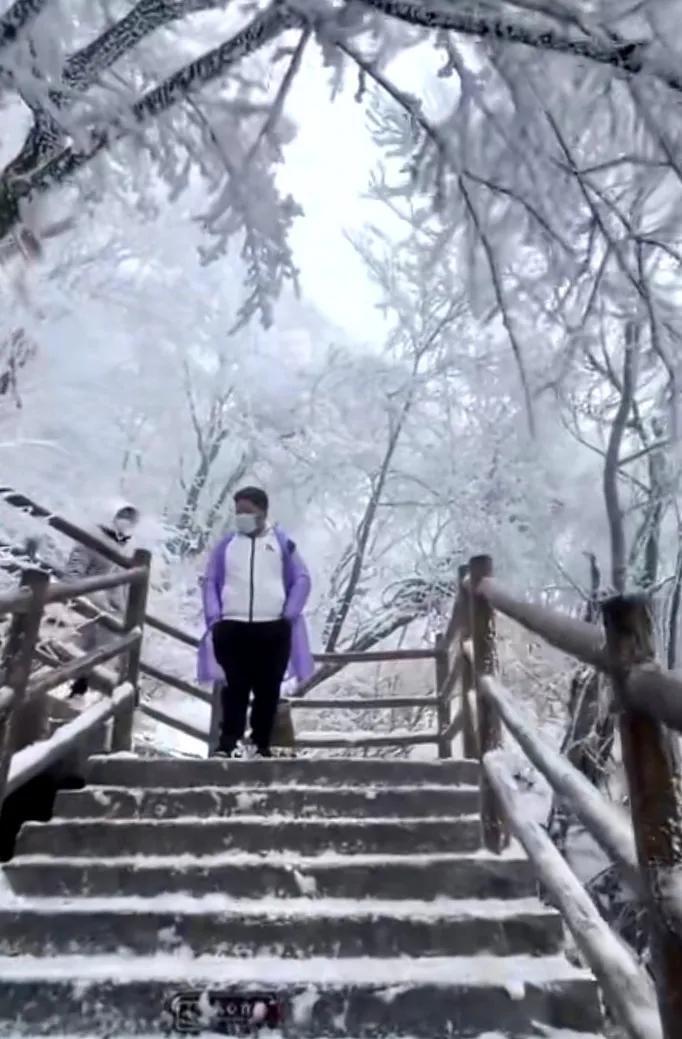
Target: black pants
(254,658)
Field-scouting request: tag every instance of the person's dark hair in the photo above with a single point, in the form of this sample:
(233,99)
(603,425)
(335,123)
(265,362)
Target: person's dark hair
(255,495)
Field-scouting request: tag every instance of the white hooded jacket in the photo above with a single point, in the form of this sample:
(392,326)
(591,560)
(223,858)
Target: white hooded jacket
(86,562)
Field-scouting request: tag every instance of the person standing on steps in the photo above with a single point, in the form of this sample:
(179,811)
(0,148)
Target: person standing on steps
(254,591)
(117,528)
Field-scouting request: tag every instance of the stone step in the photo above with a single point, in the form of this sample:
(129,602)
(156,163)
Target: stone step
(129,770)
(105,838)
(250,876)
(300,928)
(298,801)
(538,1033)
(426,998)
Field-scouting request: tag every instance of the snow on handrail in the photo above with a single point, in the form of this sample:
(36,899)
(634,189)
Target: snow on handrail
(608,825)
(629,990)
(37,757)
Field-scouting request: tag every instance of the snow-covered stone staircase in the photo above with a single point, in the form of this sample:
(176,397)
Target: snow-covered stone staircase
(357,890)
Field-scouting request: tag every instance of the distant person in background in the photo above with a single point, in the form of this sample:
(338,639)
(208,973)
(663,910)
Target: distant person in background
(254,591)
(86,562)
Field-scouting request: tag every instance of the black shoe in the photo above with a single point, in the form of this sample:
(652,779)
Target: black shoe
(263,752)
(227,752)
(79,687)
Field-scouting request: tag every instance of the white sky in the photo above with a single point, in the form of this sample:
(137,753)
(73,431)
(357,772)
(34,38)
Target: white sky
(327,170)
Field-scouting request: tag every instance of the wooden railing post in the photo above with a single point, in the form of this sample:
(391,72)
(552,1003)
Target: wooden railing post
(443,700)
(469,736)
(653,772)
(23,723)
(122,731)
(495,831)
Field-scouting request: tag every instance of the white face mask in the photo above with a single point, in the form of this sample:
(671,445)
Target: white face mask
(247,523)
(124,527)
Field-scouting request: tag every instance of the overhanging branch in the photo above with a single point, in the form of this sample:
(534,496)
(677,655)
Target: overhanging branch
(629,56)
(83,68)
(209,66)
(19,16)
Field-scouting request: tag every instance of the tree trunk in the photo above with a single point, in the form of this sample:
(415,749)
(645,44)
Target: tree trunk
(614,511)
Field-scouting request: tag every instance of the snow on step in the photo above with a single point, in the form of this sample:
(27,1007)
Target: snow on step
(296,927)
(298,800)
(438,908)
(328,857)
(119,770)
(360,972)
(466,875)
(356,889)
(542,1032)
(430,997)
(108,837)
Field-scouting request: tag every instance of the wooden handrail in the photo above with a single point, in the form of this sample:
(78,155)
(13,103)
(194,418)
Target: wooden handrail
(340,657)
(99,545)
(341,742)
(83,664)
(649,850)
(37,757)
(174,633)
(176,683)
(455,727)
(360,703)
(655,693)
(62,591)
(6,699)
(608,825)
(373,656)
(482,626)
(458,616)
(465,653)
(577,638)
(187,728)
(652,766)
(14,602)
(89,612)
(443,710)
(24,725)
(453,677)
(470,741)
(25,722)
(20,501)
(82,607)
(628,989)
(648,689)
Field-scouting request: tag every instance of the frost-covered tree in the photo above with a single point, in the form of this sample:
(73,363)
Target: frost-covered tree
(554,111)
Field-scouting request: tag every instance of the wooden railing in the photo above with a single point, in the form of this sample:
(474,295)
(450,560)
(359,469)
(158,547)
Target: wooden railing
(24,749)
(646,842)
(73,664)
